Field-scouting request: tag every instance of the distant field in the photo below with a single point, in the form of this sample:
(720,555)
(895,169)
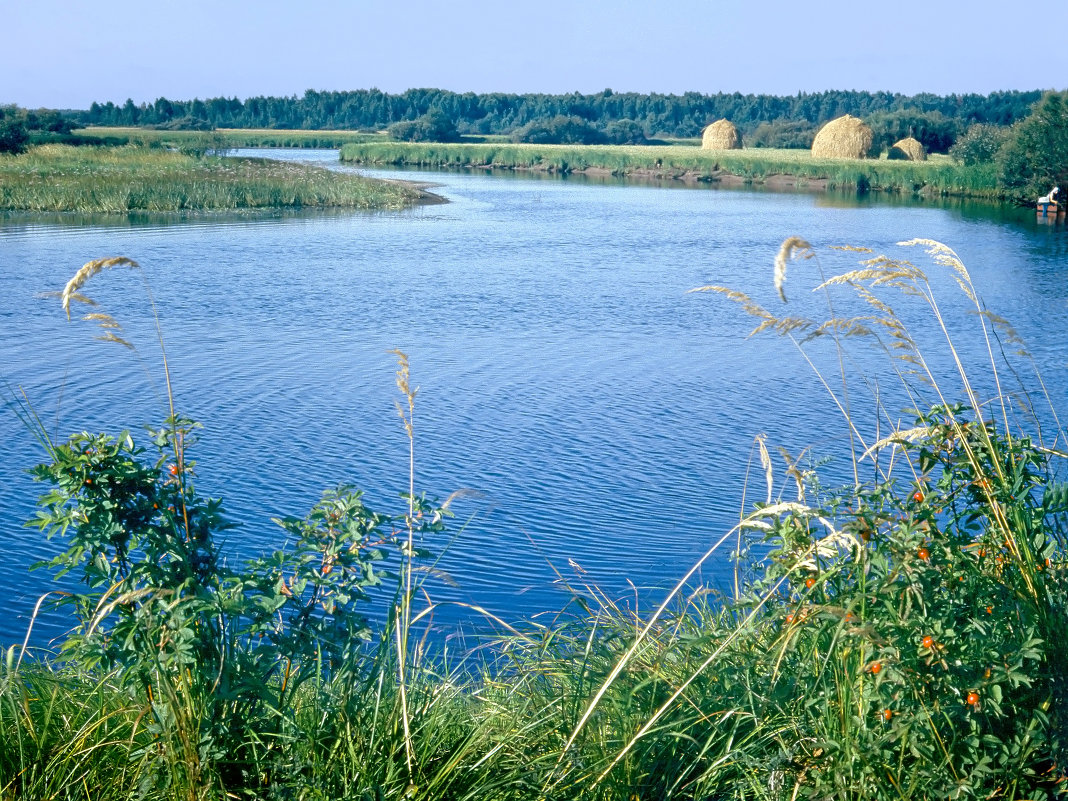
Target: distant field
(938,175)
(134,178)
(232,137)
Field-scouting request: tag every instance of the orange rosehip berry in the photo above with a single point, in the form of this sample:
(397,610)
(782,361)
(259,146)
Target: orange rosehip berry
(928,641)
(790,618)
(172,469)
(876,667)
(990,610)
(917,496)
(924,554)
(887,714)
(810,582)
(973,698)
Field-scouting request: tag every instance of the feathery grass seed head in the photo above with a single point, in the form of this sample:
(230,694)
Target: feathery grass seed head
(793,248)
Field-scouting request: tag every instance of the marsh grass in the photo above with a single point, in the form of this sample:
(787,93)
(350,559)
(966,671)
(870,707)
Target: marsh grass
(936,176)
(894,638)
(124,179)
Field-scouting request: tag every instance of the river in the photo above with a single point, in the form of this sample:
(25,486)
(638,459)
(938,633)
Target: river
(603,414)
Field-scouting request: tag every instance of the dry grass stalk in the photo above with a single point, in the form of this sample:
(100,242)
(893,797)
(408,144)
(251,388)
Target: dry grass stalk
(88,270)
(844,138)
(793,248)
(721,135)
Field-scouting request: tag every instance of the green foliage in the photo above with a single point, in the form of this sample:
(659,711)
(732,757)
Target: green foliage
(625,132)
(559,130)
(186,123)
(783,134)
(979,144)
(1035,157)
(916,648)
(13,135)
(218,655)
(935,131)
(434,126)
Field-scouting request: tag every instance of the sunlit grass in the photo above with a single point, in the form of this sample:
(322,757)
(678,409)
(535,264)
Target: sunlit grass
(130,178)
(935,176)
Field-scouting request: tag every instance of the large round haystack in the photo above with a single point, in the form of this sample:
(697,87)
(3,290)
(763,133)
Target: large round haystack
(908,149)
(721,135)
(843,138)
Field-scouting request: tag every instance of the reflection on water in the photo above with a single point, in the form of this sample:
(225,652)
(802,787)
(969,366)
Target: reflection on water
(604,414)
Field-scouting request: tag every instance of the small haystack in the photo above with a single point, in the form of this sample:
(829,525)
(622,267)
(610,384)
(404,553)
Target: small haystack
(908,149)
(844,138)
(721,135)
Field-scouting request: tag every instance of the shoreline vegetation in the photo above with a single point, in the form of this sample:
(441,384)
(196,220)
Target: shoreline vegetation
(895,638)
(132,169)
(679,160)
(91,179)
(772,168)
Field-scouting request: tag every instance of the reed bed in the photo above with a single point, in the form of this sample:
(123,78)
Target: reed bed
(130,178)
(936,176)
(898,637)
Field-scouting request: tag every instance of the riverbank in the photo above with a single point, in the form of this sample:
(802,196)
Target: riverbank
(63,178)
(938,176)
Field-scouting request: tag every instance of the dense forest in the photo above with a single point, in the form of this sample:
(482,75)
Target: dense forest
(656,115)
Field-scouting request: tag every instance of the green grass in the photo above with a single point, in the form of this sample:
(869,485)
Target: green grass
(122,179)
(936,176)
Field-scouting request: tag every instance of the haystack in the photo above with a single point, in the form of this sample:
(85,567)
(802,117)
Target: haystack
(908,149)
(721,135)
(844,138)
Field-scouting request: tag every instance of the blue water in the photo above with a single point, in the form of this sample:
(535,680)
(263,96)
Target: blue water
(604,415)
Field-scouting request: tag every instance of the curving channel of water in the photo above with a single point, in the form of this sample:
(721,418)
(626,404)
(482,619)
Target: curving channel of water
(604,414)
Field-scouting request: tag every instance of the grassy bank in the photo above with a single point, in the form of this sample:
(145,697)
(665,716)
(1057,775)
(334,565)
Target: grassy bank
(93,179)
(899,637)
(937,176)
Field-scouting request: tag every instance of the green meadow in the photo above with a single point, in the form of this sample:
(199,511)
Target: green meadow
(137,178)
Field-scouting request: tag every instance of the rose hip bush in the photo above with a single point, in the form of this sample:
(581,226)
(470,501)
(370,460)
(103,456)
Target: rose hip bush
(916,624)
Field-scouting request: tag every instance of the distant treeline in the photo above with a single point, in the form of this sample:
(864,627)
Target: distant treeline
(657,115)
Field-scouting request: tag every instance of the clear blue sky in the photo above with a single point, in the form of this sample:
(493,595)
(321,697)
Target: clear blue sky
(68,53)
